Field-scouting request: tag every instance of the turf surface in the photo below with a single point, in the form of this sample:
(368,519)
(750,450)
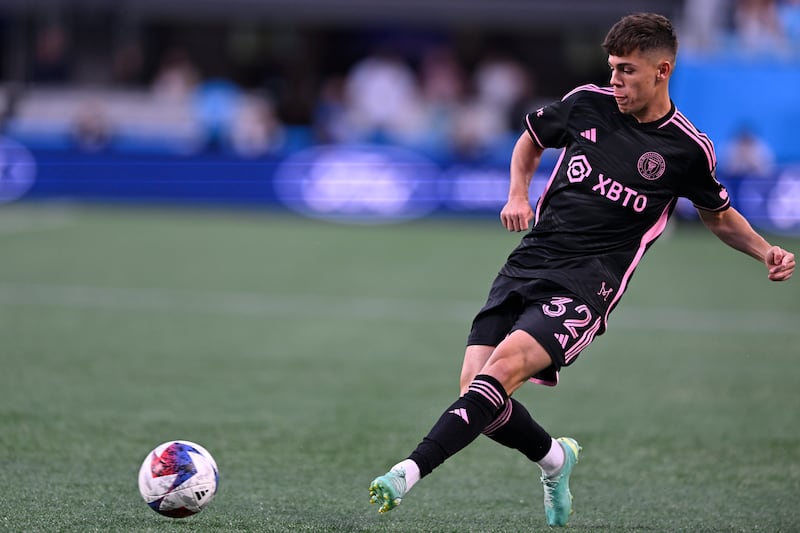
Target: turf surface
(309,357)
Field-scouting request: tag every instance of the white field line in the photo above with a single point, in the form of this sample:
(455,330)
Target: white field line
(363,308)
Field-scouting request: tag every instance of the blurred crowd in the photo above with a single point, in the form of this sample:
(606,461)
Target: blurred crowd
(743,27)
(431,96)
(425,97)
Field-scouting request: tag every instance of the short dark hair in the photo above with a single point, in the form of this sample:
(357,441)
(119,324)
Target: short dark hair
(642,31)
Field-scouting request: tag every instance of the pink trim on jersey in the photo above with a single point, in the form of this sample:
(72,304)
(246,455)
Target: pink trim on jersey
(701,139)
(651,235)
(500,421)
(705,143)
(535,137)
(547,186)
(591,87)
(723,207)
(667,121)
(585,340)
(486,390)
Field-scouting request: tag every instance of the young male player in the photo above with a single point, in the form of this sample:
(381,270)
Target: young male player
(628,154)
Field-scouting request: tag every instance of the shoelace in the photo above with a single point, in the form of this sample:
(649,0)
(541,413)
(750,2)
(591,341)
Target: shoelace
(549,486)
(399,481)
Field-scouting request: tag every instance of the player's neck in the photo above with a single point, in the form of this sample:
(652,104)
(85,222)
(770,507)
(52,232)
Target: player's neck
(658,108)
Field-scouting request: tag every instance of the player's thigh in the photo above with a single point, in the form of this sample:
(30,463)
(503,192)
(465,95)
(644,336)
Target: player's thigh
(475,358)
(516,359)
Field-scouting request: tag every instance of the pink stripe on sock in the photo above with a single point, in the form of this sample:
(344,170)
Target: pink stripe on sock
(488,391)
(500,421)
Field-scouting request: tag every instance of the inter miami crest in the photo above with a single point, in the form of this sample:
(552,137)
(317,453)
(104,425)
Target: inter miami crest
(651,166)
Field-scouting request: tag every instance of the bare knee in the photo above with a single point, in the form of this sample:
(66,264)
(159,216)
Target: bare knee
(516,359)
(475,358)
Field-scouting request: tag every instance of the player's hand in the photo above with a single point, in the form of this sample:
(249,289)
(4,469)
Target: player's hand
(780,263)
(516,214)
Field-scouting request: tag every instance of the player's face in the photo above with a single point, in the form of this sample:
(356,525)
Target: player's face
(637,79)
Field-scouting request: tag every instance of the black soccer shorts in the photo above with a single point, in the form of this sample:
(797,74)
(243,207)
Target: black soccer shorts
(558,319)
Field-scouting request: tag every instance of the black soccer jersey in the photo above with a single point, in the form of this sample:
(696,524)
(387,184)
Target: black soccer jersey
(611,193)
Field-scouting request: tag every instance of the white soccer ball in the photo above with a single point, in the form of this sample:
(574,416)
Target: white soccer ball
(178,478)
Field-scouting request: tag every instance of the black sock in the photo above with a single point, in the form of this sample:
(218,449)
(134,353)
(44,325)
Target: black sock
(514,427)
(461,423)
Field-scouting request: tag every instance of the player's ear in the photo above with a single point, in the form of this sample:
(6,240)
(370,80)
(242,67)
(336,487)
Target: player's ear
(663,71)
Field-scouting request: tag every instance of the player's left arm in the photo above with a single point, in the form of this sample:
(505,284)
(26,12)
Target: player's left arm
(735,231)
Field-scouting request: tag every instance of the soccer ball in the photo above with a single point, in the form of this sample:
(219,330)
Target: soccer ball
(178,478)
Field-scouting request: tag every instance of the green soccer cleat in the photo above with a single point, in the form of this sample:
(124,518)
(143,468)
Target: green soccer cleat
(557,497)
(388,490)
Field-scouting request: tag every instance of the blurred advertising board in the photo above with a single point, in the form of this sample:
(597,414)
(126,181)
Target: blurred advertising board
(360,184)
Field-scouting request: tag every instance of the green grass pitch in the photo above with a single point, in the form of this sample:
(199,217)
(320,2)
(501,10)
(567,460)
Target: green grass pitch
(309,357)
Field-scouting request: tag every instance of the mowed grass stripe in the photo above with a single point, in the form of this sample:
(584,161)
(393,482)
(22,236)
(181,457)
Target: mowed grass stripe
(309,357)
(365,308)
(13,221)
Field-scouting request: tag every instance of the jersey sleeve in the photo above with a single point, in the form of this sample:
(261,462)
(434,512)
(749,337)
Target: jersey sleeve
(704,190)
(547,126)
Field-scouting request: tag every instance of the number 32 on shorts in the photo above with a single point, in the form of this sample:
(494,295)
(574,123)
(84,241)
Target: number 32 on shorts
(580,324)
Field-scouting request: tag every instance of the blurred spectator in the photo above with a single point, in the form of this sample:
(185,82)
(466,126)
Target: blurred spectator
(9,97)
(500,88)
(477,125)
(441,77)
(703,24)
(501,82)
(126,64)
(789,15)
(748,156)
(177,77)
(255,129)
(383,96)
(758,28)
(91,129)
(443,86)
(216,102)
(51,59)
(331,119)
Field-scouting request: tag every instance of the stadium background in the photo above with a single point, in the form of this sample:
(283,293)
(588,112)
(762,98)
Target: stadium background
(157,281)
(366,112)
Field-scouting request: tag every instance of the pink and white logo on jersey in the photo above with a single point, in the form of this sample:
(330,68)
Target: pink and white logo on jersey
(578,169)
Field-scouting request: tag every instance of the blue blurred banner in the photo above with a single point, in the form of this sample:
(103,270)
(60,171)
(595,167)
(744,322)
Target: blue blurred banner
(773,203)
(361,184)
(358,184)
(730,93)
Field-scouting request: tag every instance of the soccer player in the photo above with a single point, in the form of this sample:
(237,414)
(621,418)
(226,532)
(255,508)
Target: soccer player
(627,155)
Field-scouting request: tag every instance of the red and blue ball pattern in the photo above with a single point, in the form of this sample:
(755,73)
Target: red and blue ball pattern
(178,478)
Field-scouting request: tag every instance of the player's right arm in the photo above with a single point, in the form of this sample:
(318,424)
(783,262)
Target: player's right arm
(735,231)
(517,214)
